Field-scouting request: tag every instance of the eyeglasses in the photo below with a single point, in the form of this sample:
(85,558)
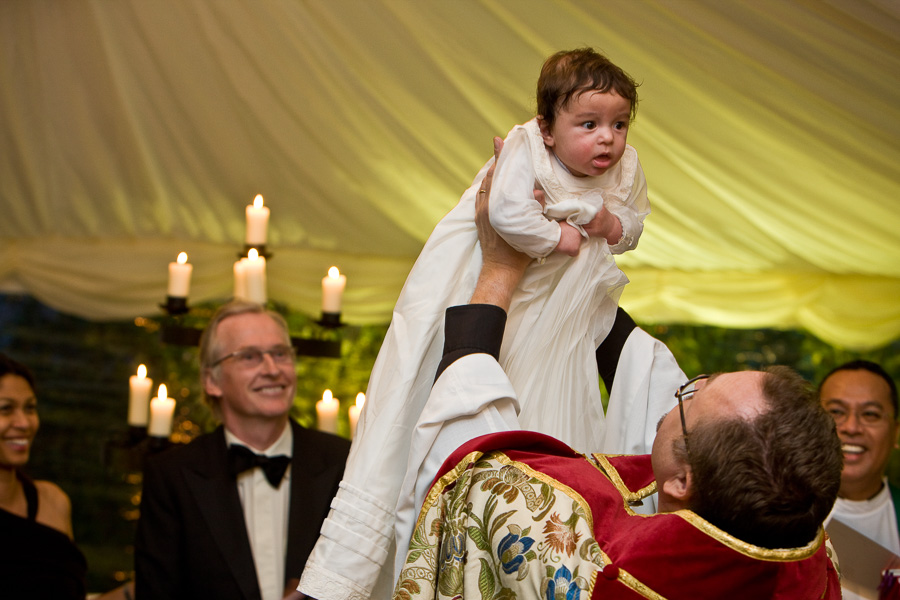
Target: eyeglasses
(688,390)
(253,357)
(869,417)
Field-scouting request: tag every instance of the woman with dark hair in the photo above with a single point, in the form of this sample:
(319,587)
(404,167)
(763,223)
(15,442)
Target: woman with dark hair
(38,558)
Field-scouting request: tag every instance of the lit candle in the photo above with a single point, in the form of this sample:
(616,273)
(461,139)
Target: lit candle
(240,280)
(180,277)
(257,222)
(255,277)
(332,289)
(327,412)
(139,397)
(354,411)
(161,411)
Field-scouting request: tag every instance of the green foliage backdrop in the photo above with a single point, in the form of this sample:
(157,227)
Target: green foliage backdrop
(82,369)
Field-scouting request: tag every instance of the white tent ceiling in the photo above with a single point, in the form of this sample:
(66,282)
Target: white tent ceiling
(131,130)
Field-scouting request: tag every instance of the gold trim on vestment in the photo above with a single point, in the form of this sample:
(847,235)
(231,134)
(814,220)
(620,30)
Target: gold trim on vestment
(445,480)
(631,582)
(602,464)
(751,550)
(554,483)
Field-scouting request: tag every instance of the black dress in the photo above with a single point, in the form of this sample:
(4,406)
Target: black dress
(37,561)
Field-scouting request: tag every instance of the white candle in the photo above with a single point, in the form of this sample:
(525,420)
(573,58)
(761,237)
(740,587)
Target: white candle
(240,280)
(255,277)
(327,412)
(161,411)
(332,290)
(257,222)
(353,413)
(180,277)
(139,397)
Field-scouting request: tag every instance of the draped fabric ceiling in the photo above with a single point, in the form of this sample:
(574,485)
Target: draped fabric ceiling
(132,130)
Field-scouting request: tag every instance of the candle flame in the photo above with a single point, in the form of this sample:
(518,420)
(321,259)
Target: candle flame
(253,254)
(258,201)
(334,273)
(360,400)
(142,372)
(327,396)
(182,258)
(162,392)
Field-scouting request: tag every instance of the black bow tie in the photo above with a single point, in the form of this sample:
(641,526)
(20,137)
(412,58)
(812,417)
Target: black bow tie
(241,458)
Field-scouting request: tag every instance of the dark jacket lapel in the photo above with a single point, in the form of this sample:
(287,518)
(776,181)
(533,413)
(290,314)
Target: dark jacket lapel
(215,492)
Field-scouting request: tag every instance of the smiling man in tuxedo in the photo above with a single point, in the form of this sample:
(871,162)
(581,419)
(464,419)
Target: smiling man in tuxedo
(235,513)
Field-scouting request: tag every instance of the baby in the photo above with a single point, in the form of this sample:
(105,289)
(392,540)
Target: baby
(593,204)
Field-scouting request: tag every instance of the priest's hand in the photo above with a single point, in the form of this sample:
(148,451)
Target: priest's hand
(502,266)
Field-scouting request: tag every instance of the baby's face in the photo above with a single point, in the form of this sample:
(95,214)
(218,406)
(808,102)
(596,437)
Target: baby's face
(590,132)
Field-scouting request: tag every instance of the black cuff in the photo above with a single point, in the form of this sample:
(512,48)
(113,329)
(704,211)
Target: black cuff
(472,329)
(611,348)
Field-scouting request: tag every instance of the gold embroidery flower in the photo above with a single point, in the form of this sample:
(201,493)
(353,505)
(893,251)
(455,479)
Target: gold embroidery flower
(560,535)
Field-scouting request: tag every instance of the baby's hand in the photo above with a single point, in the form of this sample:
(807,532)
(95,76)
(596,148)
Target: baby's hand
(605,225)
(569,240)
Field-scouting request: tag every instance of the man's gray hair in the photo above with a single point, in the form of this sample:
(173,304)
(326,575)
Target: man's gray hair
(209,342)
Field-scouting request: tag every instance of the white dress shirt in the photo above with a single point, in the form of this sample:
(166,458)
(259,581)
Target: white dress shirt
(266,511)
(875,518)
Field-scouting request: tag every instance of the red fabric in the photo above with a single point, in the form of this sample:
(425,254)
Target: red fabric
(889,589)
(666,552)
(635,471)
(518,439)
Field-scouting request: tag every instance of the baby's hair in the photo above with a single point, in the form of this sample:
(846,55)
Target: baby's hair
(571,72)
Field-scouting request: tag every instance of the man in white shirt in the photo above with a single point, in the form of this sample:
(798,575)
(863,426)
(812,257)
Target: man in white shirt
(862,399)
(235,513)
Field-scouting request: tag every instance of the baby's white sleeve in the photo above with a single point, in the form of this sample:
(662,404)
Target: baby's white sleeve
(631,213)
(514,213)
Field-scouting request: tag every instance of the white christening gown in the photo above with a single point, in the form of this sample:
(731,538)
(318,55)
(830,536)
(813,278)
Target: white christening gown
(561,312)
